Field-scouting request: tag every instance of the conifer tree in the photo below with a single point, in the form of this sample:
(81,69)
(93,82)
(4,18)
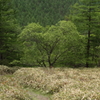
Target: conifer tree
(8,32)
(86,15)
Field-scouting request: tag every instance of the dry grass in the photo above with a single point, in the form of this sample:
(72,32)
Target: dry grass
(64,84)
(85,85)
(7,70)
(4,70)
(9,89)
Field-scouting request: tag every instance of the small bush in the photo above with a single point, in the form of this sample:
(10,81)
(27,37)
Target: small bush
(15,63)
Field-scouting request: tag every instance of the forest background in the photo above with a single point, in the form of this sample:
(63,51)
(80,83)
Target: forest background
(50,33)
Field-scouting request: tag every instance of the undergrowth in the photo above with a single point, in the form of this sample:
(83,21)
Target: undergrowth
(61,83)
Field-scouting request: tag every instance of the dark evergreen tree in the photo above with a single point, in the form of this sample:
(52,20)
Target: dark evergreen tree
(8,33)
(86,15)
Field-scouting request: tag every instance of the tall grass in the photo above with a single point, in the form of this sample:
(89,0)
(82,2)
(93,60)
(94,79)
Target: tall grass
(63,84)
(9,89)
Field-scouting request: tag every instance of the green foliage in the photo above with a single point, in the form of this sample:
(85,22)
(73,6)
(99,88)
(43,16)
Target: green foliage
(15,63)
(74,42)
(86,15)
(42,11)
(8,33)
(47,47)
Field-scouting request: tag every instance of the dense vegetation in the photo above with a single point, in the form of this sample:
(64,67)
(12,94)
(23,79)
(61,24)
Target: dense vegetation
(8,33)
(59,83)
(42,11)
(50,33)
(86,16)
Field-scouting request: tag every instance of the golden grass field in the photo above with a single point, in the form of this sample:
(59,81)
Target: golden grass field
(61,83)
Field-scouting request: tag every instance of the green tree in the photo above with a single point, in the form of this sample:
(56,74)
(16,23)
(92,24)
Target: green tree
(86,15)
(48,47)
(8,33)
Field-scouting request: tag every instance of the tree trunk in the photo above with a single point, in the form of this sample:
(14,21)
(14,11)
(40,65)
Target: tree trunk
(1,59)
(88,41)
(88,50)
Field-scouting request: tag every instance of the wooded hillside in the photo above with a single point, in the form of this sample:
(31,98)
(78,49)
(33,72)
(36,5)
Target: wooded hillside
(50,33)
(46,12)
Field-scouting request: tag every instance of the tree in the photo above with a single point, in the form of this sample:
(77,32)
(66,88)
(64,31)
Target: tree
(8,32)
(86,15)
(47,46)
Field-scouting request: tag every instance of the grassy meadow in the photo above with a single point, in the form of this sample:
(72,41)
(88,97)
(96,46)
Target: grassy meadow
(59,83)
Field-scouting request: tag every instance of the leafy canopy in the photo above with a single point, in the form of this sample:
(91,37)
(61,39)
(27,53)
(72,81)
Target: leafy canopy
(47,46)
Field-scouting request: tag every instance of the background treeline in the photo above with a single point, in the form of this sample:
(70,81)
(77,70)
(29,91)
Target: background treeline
(46,12)
(50,33)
